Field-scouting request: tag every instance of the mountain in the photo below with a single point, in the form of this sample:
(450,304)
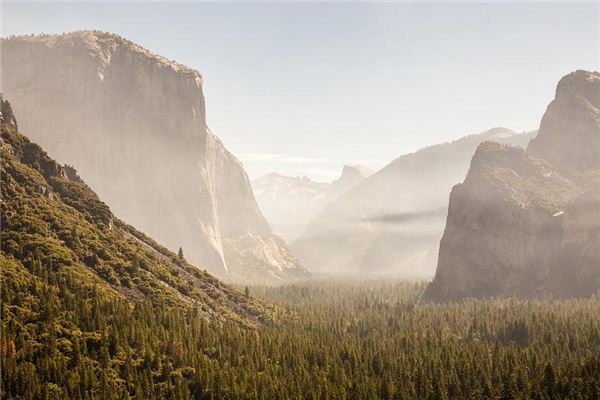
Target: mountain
(527,223)
(391,223)
(351,176)
(134,124)
(569,131)
(92,307)
(57,233)
(290,203)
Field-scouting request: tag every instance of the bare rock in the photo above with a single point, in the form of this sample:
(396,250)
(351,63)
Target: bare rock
(134,125)
(569,134)
(527,223)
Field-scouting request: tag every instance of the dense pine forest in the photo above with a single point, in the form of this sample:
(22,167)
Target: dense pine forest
(340,341)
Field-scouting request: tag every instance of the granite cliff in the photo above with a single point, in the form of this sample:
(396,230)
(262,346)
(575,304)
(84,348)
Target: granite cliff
(134,125)
(527,223)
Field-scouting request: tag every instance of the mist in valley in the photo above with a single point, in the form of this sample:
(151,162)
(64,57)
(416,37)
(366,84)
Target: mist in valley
(308,200)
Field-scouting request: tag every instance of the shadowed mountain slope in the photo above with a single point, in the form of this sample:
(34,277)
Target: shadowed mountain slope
(527,223)
(391,222)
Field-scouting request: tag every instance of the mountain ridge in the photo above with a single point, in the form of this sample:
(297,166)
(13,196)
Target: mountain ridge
(289,202)
(390,223)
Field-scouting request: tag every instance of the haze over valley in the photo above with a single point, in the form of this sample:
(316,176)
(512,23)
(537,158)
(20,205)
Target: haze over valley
(392,201)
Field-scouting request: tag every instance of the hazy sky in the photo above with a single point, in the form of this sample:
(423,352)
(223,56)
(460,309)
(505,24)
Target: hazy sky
(302,88)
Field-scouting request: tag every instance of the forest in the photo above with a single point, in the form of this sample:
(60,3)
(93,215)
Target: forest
(344,340)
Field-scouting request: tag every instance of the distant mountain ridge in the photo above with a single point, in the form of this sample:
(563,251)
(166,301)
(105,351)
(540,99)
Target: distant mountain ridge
(290,203)
(391,223)
(527,223)
(134,125)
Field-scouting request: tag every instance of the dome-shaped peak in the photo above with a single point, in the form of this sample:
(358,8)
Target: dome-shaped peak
(569,134)
(359,170)
(584,84)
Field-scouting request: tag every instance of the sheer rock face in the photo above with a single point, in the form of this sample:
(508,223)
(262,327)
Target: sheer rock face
(133,123)
(524,226)
(391,222)
(351,176)
(569,134)
(290,203)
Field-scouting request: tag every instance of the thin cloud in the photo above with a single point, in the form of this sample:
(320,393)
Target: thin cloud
(322,172)
(258,156)
(270,157)
(406,217)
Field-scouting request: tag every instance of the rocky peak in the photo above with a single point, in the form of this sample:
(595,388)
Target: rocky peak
(525,223)
(351,176)
(355,172)
(71,173)
(569,134)
(498,164)
(582,84)
(6,113)
(31,153)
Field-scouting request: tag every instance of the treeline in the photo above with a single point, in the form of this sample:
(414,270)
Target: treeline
(342,341)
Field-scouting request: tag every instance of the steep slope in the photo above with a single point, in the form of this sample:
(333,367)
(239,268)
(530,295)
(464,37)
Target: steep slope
(93,308)
(569,134)
(53,224)
(351,176)
(134,123)
(520,225)
(391,222)
(290,203)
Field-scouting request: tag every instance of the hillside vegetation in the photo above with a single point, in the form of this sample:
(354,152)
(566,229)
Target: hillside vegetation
(86,296)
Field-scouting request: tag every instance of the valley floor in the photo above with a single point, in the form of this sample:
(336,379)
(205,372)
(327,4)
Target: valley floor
(372,340)
(344,340)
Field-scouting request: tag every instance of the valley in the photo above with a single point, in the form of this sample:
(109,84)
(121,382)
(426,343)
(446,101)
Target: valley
(340,340)
(359,225)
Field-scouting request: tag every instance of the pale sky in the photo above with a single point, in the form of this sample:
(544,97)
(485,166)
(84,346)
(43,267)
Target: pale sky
(303,88)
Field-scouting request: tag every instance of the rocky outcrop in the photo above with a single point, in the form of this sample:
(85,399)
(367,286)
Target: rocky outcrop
(391,222)
(290,203)
(351,176)
(569,134)
(134,125)
(249,257)
(6,114)
(520,225)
